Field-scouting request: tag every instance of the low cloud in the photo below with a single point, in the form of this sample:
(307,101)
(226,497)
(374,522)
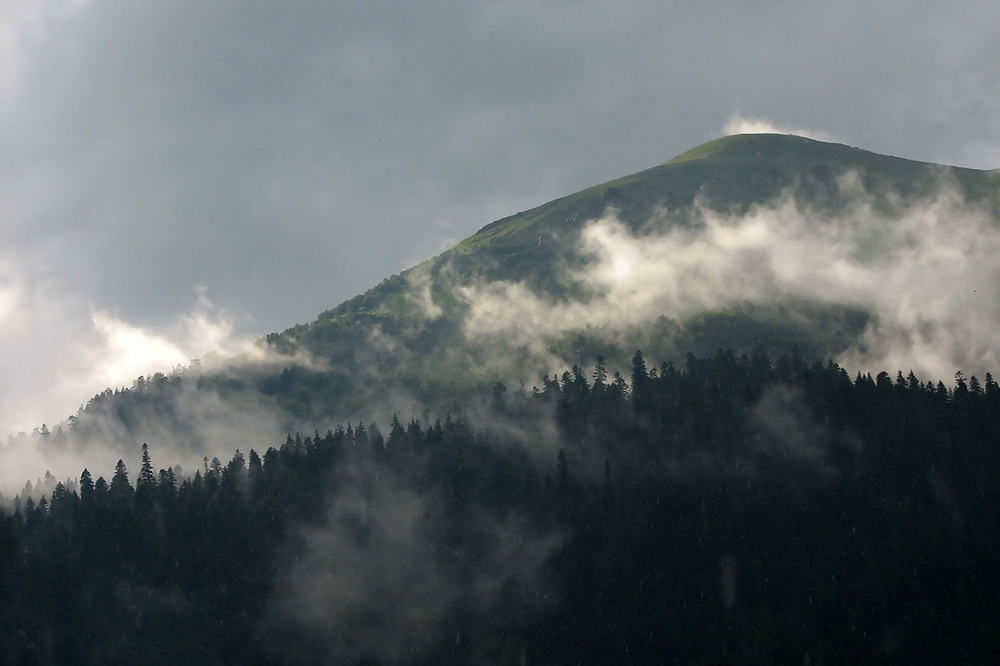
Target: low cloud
(924,270)
(784,428)
(739,124)
(125,351)
(379,580)
(182,422)
(64,351)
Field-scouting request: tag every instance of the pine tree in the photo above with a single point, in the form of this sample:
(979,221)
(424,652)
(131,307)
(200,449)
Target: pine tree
(120,488)
(254,466)
(86,487)
(31,518)
(607,491)
(960,384)
(499,401)
(397,435)
(146,476)
(101,489)
(600,373)
(562,470)
(167,484)
(640,382)
(992,390)
(618,389)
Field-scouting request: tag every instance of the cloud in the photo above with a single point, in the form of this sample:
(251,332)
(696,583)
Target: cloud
(290,159)
(380,579)
(784,427)
(120,351)
(21,21)
(66,351)
(738,124)
(923,270)
(63,353)
(263,151)
(11,292)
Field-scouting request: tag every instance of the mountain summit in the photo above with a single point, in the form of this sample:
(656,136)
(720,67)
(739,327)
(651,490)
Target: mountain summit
(745,242)
(637,507)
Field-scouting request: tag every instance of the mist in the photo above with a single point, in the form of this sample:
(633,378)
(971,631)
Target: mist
(384,577)
(153,149)
(922,269)
(70,350)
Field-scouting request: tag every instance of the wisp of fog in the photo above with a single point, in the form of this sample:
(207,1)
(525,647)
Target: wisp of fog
(922,269)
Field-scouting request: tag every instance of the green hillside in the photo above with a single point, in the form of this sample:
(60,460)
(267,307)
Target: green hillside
(725,496)
(753,504)
(731,171)
(408,333)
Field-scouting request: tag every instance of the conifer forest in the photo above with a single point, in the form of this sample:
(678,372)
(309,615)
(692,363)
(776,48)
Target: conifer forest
(737,509)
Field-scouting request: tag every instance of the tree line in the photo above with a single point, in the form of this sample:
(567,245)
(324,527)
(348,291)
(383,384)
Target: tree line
(733,509)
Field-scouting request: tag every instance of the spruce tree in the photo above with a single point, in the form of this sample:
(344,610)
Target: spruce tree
(86,487)
(562,470)
(121,489)
(600,373)
(146,476)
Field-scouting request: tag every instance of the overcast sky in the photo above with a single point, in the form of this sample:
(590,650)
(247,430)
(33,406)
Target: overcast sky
(180,175)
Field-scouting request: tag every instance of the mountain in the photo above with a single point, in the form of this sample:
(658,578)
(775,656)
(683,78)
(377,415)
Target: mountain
(538,248)
(447,330)
(730,172)
(732,506)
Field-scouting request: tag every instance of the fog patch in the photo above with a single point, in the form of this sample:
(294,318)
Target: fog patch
(784,428)
(369,583)
(382,579)
(923,270)
(419,283)
(64,350)
(125,351)
(182,423)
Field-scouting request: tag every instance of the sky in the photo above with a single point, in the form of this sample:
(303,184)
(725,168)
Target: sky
(181,177)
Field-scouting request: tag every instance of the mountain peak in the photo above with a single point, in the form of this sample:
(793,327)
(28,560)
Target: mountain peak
(734,170)
(755,146)
(793,148)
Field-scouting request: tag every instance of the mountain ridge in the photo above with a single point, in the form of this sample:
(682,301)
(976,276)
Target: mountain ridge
(784,150)
(407,336)
(723,508)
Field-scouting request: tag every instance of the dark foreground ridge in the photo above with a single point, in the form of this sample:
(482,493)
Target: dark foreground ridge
(735,510)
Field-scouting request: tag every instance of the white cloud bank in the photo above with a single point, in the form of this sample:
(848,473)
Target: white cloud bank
(926,271)
(125,351)
(62,352)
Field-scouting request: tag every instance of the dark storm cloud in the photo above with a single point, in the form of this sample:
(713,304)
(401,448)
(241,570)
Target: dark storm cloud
(289,155)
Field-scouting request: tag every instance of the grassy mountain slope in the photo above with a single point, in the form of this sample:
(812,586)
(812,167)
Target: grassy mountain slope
(405,337)
(730,173)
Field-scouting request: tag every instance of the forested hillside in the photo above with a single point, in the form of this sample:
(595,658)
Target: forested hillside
(734,509)
(720,506)
(746,241)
